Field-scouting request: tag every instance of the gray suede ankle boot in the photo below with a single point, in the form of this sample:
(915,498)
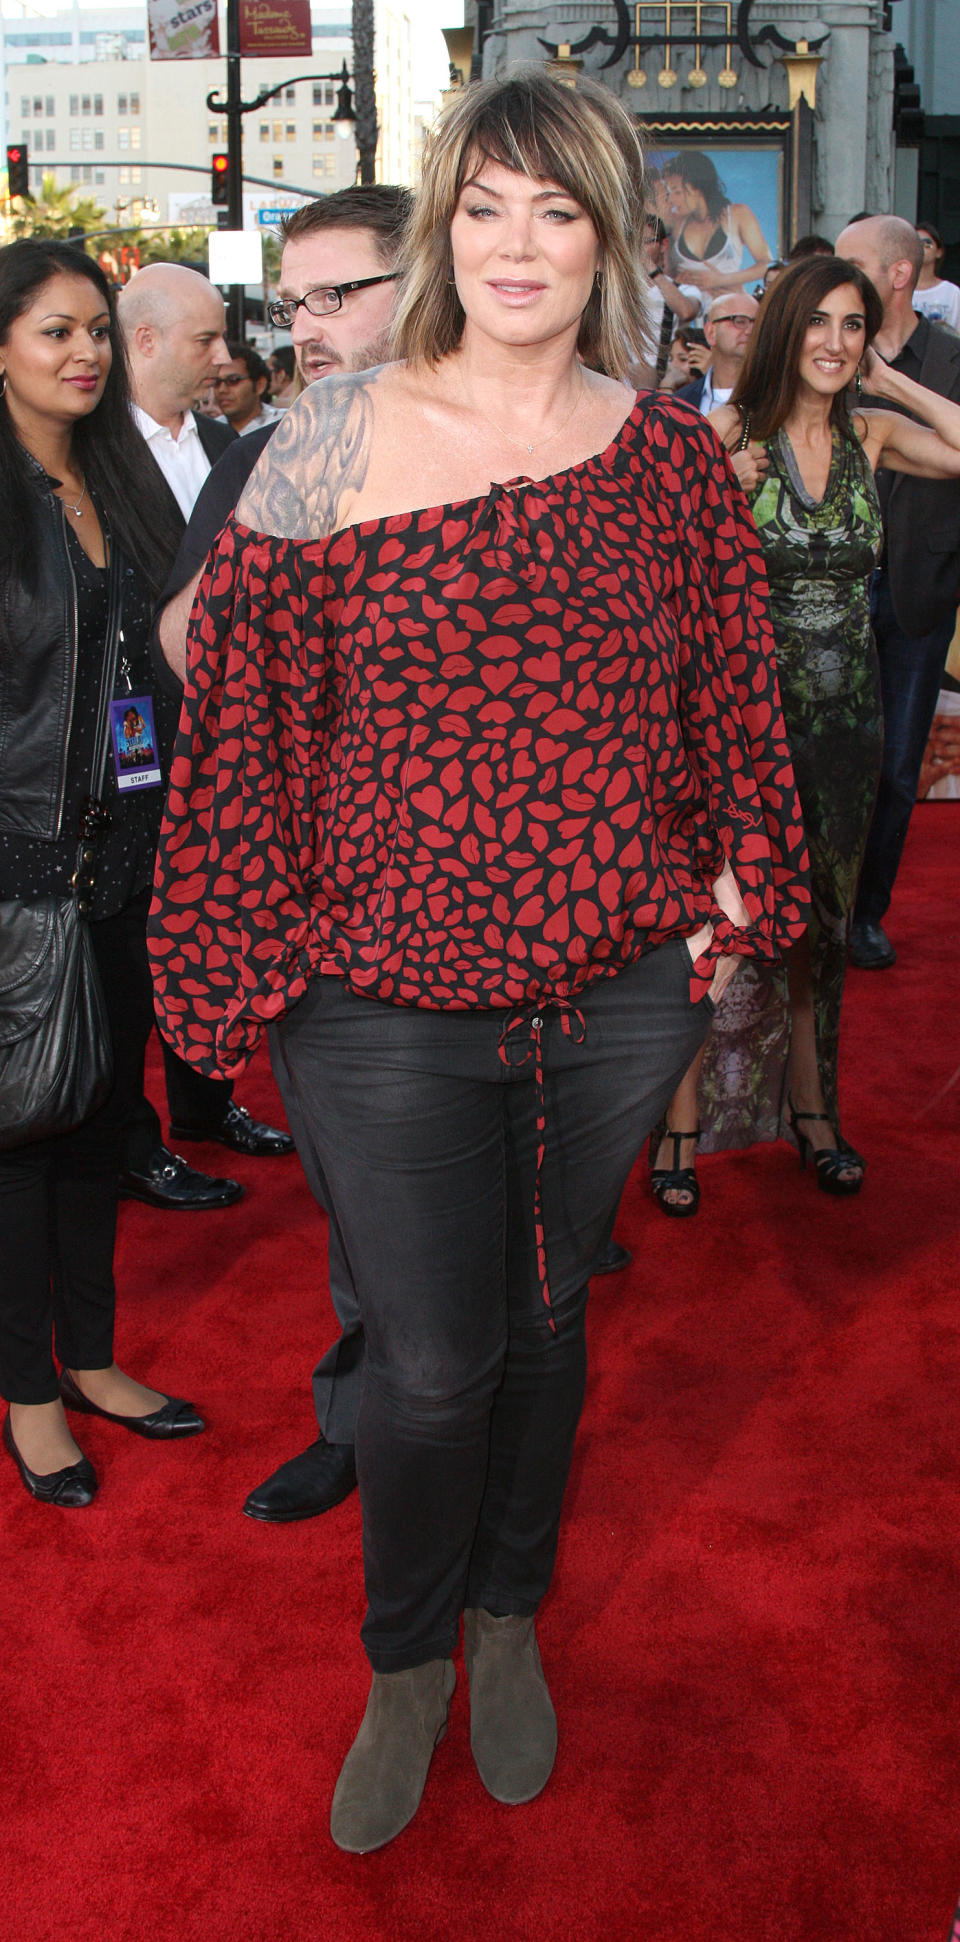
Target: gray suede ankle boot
(513,1727)
(383,1776)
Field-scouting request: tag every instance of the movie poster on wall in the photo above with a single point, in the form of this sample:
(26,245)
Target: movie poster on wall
(275,27)
(183,32)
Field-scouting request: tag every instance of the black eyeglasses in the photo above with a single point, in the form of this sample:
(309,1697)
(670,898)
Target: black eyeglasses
(322,303)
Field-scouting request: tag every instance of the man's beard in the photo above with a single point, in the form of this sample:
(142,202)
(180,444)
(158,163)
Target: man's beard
(318,352)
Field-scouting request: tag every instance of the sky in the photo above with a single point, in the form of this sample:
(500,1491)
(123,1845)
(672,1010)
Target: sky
(427,18)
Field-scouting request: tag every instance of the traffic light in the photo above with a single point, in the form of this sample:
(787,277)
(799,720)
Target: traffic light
(219,180)
(18,169)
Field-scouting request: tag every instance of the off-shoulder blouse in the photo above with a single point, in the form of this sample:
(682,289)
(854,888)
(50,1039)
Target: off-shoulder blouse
(481,754)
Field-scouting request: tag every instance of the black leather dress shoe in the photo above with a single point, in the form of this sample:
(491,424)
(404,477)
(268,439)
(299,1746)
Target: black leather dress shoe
(611,1259)
(167,1181)
(237,1130)
(870,947)
(323,1476)
(71,1488)
(176,1418)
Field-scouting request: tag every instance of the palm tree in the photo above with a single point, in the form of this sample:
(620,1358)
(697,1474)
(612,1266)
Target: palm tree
(365,98)
(55,211)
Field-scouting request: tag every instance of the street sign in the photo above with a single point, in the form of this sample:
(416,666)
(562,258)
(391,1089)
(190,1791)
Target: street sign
(268,218)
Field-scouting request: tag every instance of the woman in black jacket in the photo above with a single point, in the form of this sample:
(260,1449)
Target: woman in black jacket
(75,481)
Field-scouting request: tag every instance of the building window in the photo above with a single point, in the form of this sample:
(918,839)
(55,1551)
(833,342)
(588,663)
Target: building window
(25,107)
(99,175)
(51,139)
(87,172)
(278,131)
(264,131)
(290,96)
(122,105)
(278,167)
(134,104)
(213,129)
(74,106)
(74,174)
(291,131)
(135,174)
(98,138)
(135,138)
(51,107)
(123,138)
(318,168)
(74,138)
(37,106)
(88,138)
(323,97)
(84,104)
(124,177)
(98,104)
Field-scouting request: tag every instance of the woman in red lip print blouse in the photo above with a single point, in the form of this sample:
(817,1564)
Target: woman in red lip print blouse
(480,792)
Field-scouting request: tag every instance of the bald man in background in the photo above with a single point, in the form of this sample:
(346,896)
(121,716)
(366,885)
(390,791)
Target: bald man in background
(728,329)
(173,323)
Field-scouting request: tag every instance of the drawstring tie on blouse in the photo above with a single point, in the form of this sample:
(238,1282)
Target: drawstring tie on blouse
(521,1037)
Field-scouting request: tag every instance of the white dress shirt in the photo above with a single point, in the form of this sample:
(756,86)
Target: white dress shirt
(182,460)
(711,398)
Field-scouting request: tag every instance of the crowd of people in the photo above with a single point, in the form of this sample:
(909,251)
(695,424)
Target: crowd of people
(553,675)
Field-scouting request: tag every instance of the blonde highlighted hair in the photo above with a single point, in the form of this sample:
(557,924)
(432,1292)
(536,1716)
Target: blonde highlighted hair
(585,142)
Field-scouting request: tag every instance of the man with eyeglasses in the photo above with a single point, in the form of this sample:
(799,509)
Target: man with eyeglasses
(240,383)
(336,298)
(728,330)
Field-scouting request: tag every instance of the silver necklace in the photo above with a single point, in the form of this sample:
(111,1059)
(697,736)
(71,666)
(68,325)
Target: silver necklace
(535,444)
(75,509)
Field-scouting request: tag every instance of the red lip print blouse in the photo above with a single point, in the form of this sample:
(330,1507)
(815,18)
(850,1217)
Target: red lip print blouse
(481,754)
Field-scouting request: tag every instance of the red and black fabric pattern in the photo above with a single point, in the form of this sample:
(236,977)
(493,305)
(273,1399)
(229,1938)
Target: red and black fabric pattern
(481,754)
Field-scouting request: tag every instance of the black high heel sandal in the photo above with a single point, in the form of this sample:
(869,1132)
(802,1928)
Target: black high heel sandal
(675,1179)
(832,1162)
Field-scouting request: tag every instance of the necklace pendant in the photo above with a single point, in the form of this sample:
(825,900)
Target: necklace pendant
(529,448)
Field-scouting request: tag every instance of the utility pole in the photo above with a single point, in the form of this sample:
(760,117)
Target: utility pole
(235,296)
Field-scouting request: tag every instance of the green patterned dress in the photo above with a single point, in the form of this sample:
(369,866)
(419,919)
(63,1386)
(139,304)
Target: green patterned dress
(819,557)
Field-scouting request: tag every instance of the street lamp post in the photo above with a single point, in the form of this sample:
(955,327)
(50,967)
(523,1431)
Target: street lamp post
(234,108)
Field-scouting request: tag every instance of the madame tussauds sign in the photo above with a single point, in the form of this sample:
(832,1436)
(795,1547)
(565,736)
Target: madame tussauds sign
(183,33)
(275,27)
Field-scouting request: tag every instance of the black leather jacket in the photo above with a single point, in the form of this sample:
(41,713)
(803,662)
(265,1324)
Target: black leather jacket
(38,668)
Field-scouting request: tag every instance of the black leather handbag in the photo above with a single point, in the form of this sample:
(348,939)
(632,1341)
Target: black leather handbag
(56,1060)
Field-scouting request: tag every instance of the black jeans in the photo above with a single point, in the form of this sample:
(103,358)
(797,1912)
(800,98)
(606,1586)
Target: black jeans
(911,673)
(58,1198)
(424,1141)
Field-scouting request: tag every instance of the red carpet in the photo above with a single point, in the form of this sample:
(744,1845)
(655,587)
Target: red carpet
(752,1638)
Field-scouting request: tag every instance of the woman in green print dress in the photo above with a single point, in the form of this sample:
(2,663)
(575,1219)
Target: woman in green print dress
(807,465)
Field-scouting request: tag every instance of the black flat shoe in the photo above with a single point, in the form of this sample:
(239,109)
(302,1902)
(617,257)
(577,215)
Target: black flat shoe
(240,1132)
(71,1488)
(870,948)
(176,1418)
(315,1481)
(840,1169)
(611,1258)
(167,1181)
(675,1179)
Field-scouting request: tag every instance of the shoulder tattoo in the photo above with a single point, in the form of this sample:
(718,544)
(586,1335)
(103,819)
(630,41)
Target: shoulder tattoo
(317,455)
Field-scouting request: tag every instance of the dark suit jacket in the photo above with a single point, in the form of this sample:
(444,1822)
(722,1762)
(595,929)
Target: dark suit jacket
(215,439)
(693,392)
(215,502)
(922,516)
